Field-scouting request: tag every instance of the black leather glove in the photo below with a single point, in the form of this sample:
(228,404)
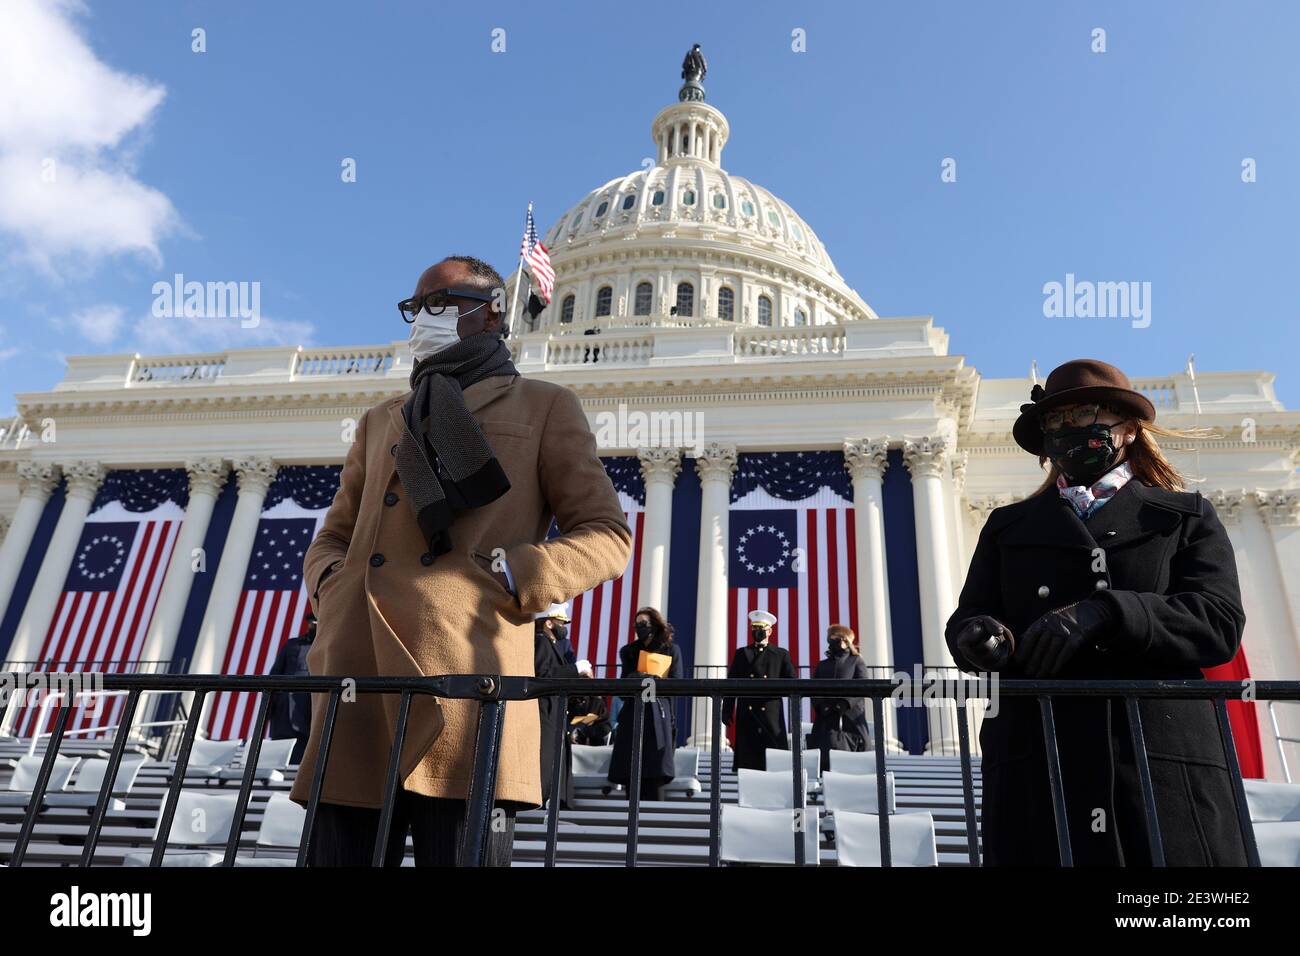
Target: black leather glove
(985,642)
(1052,641)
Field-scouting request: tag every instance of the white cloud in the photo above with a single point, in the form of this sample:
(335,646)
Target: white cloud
(98,325)
(67,183)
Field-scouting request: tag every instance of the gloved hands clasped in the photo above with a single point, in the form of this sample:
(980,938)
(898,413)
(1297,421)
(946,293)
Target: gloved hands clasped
(1052,641)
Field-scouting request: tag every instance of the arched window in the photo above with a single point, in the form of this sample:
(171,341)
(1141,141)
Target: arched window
(719,201)
(688,198)
(566,310)
(747,207)
(726,304)
(658,198)
(602,209)
(800,317)
(772,217)
(604,296)
(629,200)
(764,310)
(685,298)
(644,298)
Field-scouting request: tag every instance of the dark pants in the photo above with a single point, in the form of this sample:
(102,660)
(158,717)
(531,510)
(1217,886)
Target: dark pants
(345,836)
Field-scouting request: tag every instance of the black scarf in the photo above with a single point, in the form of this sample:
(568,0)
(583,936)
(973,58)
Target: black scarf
(443,461)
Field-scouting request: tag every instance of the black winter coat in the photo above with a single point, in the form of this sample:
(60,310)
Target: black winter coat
(760,723)
(1163,564)
(659,729)
(840,723)
(548,661)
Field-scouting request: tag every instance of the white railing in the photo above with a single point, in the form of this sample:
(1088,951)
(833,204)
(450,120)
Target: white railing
(797,341)
(13,434)
(1161,392)
(364,361)
(612,349)
(177,370)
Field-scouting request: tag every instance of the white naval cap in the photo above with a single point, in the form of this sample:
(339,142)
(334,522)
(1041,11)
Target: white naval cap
(560,611)
(762,617)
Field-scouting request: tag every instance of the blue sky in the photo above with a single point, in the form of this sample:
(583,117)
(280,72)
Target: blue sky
(225,165)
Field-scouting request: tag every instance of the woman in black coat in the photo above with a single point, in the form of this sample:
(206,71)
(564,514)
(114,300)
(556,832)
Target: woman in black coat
(840,723)
(1109,571)
(659,726)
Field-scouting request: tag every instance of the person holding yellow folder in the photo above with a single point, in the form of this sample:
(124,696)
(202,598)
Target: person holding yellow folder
(651,654)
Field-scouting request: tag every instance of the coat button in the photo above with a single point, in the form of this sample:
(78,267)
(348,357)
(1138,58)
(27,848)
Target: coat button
(393,451)
(1044,591)
(1102,585)
(390,499)
(1111,534)
(376,560)
(426,559)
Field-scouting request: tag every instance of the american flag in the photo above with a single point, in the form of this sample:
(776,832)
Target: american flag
(794,558)
(273,604)
(109,595)
(537,259)
(602,617)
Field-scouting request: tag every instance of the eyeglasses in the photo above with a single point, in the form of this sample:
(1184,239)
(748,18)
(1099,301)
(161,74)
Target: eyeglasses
(1080,416)
(437,301)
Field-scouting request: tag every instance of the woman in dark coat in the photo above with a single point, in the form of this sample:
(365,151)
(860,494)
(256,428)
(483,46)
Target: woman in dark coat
(840,723)
(1109,571)
(659,727)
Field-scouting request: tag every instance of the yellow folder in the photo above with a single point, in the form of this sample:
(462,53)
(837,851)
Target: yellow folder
(656,664)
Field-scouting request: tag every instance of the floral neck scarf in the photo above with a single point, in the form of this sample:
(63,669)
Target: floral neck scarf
(1087,500)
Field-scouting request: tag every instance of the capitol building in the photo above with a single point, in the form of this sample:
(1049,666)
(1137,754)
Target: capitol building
(747,399)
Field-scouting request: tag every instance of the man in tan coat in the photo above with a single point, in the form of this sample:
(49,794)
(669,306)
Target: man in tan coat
(433,559)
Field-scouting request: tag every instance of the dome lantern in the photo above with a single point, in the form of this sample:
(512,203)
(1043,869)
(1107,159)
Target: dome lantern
(690,129)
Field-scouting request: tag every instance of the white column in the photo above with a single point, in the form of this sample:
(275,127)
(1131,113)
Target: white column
(659,469)
(866,461)
(207,475)
(926,459)
(715,464)
(1276,547)
(255,476)
(36,482)
(83,481)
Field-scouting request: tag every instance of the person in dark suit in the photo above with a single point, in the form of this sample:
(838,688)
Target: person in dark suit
(840,723)
(1109,571)
(759,723)
(659,728)
(589,720)
(289,715)
(549,629)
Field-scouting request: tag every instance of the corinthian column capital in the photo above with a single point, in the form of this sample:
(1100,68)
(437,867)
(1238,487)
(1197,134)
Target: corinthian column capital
(255,475)
(866,457)
(716,462)
(1279,506)
(660,464)
(1227,504)
(84,478)
(38,479)
(207,475)
(925,456)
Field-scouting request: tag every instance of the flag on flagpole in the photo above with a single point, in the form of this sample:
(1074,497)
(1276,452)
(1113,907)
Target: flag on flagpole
(536,258)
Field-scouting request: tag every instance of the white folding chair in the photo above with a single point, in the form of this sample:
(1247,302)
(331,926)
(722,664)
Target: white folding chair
(272,761)
(686,772)
(1278,842)
(209,757)
(201,819)
(591,765)
(768,789)
(26,772)
(1272,802)
(911,839)
(90,778)
(783,761)
(282,823)
(753,835)
(850,761)
(857,792)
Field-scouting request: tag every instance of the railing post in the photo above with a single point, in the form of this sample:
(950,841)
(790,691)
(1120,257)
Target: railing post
(38,792)
(391,782)
(252,753)
(800,794)
(1238,788)
(968,786)
(483,783)
(1054,779)
(110,778)
(557,782)
(318,777)
(178,779)
(715,785)
(634,777)
(882,788)
(1144,779)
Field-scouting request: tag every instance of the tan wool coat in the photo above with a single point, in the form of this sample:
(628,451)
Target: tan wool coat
(388,610)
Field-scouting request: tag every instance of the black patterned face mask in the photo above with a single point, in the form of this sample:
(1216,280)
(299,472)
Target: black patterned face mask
(1083,454)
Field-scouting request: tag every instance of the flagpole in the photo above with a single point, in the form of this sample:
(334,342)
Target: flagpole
(519,270)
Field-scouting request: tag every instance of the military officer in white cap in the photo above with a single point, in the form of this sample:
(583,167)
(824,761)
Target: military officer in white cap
(759,723)
(550,628)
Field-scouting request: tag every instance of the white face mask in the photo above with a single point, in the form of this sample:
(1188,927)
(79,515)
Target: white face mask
(433,333)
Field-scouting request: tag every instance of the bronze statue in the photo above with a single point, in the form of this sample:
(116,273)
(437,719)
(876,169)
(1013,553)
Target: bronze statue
(693,66)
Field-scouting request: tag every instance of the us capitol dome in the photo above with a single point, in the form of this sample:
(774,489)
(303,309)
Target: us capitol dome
(686,242)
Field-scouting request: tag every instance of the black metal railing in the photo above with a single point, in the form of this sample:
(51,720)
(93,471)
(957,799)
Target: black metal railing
(493,692)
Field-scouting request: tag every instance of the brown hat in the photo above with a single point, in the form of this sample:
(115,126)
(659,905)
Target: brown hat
(1079,381)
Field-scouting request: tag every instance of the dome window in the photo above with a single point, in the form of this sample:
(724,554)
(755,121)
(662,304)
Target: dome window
(688,198)
(772,217)
(644,298)
(747,207)
(629,200)
(800,317)
(726,304)
(658,198)
(719,201)
(604,297)
(796,231)
(602,209)
(685,298)
(764,310)
(566,310)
